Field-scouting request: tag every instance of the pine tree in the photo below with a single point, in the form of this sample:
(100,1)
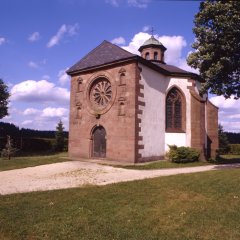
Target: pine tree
(223,140)
(59,137)
(4,95)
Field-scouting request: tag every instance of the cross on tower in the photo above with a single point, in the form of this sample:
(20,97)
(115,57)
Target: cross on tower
(152,31)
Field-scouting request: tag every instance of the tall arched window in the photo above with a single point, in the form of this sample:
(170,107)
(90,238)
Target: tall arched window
(175,111)
(155,56)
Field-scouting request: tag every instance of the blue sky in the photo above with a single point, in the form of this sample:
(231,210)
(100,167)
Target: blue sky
(40,40)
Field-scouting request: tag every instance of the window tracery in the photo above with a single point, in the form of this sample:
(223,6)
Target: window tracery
(175,111)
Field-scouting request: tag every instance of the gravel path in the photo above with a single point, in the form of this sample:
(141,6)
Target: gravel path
(76,174)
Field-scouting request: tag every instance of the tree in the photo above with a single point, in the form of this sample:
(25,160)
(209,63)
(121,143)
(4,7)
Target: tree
(9,150)
(59,137)
(223,140)
(217,45)
(4,95)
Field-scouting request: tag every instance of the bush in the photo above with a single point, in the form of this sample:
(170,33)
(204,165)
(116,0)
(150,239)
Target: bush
(183,154)
(234,149)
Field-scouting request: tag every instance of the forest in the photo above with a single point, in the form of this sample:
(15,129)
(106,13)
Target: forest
(28,140)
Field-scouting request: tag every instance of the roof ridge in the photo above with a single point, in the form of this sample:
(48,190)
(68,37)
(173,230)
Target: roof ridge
(101,54)
(94,49)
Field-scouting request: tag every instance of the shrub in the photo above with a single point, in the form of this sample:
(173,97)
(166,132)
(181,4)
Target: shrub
(182,154)
(234,149)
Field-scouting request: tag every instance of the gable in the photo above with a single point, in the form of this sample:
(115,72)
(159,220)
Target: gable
(105,53)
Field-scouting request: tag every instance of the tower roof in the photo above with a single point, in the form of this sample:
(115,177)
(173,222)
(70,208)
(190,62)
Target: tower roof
(152,42)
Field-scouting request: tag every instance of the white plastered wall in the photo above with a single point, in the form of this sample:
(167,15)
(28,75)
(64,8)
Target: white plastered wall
(181,139)
(153,116)
(154,138)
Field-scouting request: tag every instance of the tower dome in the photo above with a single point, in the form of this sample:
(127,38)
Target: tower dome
(153,50)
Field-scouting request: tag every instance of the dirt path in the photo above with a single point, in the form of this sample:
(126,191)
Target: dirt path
(77,174)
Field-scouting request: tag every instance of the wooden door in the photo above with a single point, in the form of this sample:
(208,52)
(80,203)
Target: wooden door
(99,142)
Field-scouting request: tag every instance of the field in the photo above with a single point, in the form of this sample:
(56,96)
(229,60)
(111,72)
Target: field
(192,206)
(21,162)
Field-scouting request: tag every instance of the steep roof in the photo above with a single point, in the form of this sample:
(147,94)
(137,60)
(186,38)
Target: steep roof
(108,53)
(105,53)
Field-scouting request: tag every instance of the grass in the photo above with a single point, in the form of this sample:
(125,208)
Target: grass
(229,159)
(198,206)
(22,162)
(163,164)
(224,159)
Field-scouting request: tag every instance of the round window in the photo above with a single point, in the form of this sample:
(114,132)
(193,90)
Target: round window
(100,93)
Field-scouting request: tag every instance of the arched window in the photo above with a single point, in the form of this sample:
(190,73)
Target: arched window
(175,111)
(147,56)
(122,79)
(79,84)
(155,56)
(121,111)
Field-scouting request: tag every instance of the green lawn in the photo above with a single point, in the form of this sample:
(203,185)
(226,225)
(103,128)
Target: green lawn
(163,164)
(22,162)
(198,206)
(224,159)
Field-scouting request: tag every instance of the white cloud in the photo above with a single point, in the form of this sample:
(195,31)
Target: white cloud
(136,42)
(31,111)
(54,112)
(114,3)
(71,30)
(32,64)
(118,41)
(44,119)
(39,91)
(223,103)
(2,40)
(138,3)
(130,3)
(56,38)
(229,112)
(46,77)
(146,28)
(63,78)
(174,45)
(26,123)
(35,36)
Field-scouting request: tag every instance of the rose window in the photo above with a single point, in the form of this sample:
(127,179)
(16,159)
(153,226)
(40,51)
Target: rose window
(101,93)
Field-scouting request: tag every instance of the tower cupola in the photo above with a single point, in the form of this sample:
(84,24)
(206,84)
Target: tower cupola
(152,50)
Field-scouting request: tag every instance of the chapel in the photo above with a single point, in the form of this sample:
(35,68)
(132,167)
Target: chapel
(130,108)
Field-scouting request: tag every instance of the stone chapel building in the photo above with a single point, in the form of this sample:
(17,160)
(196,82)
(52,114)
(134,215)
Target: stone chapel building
(129,108)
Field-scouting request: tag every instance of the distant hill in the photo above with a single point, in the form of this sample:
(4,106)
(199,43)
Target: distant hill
(233,138)
(29,140)
(14,131)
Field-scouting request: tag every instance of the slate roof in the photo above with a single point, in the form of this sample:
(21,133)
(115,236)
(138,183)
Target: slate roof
(171,68)
(105,53)
(108,53)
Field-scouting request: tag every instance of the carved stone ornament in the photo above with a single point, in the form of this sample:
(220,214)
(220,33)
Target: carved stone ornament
(100,93)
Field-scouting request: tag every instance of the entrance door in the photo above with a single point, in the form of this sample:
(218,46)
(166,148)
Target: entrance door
(99,142)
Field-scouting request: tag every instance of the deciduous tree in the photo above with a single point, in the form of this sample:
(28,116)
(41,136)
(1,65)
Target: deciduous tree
(217,45)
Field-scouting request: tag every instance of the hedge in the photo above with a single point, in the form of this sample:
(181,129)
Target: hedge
(234,149)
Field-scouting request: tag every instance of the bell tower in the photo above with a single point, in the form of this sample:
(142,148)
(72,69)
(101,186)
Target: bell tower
(153,50)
